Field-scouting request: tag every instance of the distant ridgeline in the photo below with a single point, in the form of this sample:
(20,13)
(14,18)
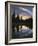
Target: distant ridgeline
(29,23)
(16,21)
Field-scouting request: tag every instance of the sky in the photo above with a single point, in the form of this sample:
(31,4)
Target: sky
(21,10)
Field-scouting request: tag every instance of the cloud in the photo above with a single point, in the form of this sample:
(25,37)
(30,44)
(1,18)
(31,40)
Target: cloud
(28,11)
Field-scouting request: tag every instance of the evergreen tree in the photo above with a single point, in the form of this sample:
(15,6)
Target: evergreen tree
(13,21)
(18,22)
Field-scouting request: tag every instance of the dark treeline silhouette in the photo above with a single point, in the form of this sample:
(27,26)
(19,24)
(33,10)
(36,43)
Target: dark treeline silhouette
(16,21)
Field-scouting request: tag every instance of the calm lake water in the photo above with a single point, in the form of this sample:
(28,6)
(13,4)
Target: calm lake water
(24,32)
